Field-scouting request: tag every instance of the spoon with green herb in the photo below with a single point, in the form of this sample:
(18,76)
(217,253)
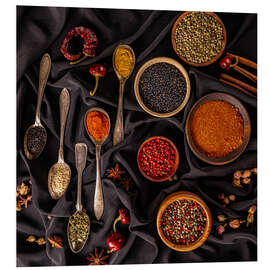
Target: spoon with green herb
(79,223)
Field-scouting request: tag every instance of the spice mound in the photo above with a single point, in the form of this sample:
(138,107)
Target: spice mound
(78,228)
(158,158)
(217,128)
(123,61)
(36,140)
(198,37)
(162,87)
(60,176)
(97,124)
(183,222)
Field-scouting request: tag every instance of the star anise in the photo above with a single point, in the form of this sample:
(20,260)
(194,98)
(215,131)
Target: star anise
(97,258)
(55,241)
(24,200)
(115,174)
(126,183)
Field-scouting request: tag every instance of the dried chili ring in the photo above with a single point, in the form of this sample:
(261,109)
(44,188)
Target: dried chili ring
(90,42)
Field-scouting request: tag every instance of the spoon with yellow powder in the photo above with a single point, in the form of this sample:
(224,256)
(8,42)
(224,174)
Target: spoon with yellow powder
(123,64)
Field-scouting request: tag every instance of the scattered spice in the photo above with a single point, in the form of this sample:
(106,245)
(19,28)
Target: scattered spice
(235,223)
(198,37)
(49,217)
(97,258)
(227,199)
(221,218)
(237,182)
(41,241)
(162,87)
(123,61)
(183,222)
(246,181)
(217,128)
(252,209)
(36,140)
(116,173)
(97,124)
(31,238)
(232,197)
(157,158)
(251,213)
(23,194)
(221,229)
(243,177)
(55,241)
(97,70)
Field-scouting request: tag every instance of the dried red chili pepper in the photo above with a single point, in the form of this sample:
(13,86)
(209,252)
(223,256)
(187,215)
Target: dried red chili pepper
(115,242)
(90,42)
(97,70)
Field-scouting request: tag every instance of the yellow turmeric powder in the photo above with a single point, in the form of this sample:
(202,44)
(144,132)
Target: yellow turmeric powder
(123,61)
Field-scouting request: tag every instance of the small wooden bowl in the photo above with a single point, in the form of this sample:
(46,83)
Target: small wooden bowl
(166,177)
(189,196)
(211,61)
(137,82)
(247,129)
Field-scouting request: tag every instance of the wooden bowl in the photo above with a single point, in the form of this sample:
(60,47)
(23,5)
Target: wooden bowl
(190,196)
(138,77)
(166,177)
(247,129)
(212,60)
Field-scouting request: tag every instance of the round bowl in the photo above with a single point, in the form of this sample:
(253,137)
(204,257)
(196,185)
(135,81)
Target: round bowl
(166,177)
(137,81)
(212,60)
(178,196)
(247,129)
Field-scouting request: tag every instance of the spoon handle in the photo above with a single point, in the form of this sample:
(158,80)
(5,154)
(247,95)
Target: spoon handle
(64,102)
(118,134)
(80,158)
(98,200)
(44,70)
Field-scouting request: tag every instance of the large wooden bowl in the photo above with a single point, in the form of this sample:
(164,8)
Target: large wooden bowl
(247,129)
(166,177)
(189,196)
(137,81)
(212,60)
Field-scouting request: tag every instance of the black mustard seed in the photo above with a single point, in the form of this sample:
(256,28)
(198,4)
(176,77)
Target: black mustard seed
(162,88)
(36,139)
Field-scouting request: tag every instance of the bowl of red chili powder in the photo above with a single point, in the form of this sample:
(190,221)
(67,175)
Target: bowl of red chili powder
(218,128)
(184,221)
(158,159)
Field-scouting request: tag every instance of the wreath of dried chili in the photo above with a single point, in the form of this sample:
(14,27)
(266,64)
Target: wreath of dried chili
(90,42)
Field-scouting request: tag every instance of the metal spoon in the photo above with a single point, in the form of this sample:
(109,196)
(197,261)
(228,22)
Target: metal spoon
(98,199)
(59,174)
(78,235)
(45,67)
(118,134)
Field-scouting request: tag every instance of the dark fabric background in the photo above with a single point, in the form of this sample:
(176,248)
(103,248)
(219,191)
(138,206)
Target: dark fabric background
(41,30)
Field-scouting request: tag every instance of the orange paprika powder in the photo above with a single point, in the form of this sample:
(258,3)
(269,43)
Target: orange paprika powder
(97,124)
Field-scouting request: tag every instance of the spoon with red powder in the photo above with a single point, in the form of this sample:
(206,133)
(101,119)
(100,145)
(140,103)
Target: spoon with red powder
(97,124)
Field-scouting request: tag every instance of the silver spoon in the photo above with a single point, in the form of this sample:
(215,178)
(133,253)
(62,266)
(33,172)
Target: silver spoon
(45,67)
(79,223)
(98,199)
(118,134)
(59,174)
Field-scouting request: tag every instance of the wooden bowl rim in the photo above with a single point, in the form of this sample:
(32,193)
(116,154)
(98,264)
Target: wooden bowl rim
(176,161)
(212,60)
(137,81)
(190,196)
(247,128)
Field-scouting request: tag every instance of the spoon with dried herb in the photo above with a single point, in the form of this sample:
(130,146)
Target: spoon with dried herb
(79,223)
(36,136)
(59,174)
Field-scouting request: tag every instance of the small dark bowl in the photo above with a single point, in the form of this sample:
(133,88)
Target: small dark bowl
(166,177)
(247,129)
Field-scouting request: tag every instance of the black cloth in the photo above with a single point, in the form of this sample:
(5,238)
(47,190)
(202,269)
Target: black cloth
(41,30)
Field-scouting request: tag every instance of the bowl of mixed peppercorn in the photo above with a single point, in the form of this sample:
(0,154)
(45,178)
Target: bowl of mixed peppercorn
(184,221)
(158,159)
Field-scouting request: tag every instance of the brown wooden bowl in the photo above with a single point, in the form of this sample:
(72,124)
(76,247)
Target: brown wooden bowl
(190,196)
(166,177)
(211,61)
(137,81)
(247,129)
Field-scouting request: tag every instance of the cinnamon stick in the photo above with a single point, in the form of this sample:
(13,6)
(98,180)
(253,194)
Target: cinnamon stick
(243,60)
(241,84)
(246,73)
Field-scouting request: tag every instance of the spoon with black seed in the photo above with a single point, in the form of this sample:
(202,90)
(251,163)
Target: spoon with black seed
(36,136)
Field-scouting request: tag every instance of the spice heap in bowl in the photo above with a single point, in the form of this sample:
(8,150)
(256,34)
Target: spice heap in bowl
(218,128)
(158,159)
(198,38)
(184,221)
(162,87)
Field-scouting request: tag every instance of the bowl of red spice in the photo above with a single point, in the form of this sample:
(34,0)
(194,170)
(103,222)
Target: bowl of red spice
(184,221)
(218,128)
(158,159)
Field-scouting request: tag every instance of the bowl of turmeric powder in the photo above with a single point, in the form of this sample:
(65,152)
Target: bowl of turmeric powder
(218,128)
